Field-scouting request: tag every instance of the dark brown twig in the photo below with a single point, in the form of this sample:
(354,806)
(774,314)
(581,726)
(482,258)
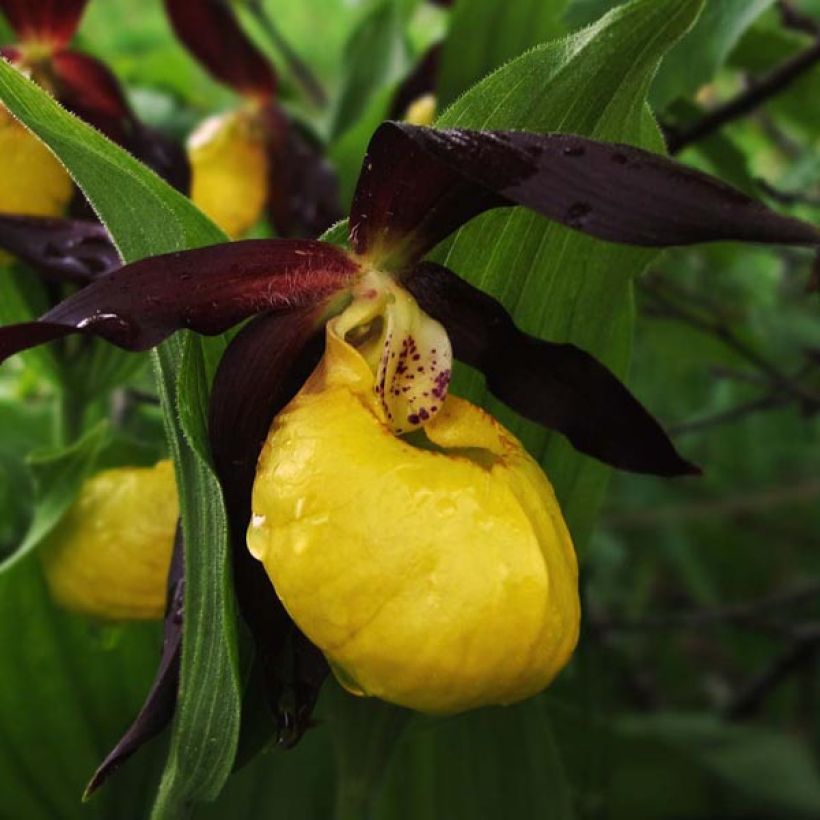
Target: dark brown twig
(789,197)
(745,503)
(751,697)
(752,613)
(795,19)
(656,289)
(766,402)
(747,101)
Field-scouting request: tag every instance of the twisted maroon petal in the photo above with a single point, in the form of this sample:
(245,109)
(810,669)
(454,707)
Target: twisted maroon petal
(70,250)
(51,20)
(262,369)
(420,184)
(211,32)
(557,385)
(207,290)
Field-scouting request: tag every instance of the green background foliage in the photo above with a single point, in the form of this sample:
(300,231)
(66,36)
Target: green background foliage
(644,722)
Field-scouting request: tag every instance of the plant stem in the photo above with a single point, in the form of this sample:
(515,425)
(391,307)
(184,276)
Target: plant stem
(68,418)
(365,733)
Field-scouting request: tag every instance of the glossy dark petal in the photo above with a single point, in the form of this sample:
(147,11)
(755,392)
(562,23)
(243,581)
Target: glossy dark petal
(60,249)
(304,191)
(420,184)
(51,20)
(557,385)
(262,369)
(211,32)
(207,290)
(160,703)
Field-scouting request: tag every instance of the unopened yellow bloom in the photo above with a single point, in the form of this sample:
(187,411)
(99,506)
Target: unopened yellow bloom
(109,556)
(32,181)
(434,570)
(229,170)
(422,111)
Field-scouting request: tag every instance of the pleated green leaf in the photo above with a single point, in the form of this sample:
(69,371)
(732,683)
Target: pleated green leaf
(146,217)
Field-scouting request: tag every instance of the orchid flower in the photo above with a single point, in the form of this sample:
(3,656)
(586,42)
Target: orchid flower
(34,182)
(380,525)
(252,158)
(96,566)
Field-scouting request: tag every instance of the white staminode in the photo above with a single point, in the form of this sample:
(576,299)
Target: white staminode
(409,353)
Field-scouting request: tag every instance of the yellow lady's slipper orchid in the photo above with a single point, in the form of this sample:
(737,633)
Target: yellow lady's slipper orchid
(110,554)
(34,182)
(433,570)
(229,167)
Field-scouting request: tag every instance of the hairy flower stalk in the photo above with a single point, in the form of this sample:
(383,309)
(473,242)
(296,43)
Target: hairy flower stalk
(407,533)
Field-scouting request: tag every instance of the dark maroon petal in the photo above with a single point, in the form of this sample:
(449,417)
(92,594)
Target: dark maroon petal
(211,32)
(160,703)
(60,249)
(304,191)
(421,80)
(262,369)
(51,20)
(88,89)
(419,184)
(407,200)
(557,385)
(207,290)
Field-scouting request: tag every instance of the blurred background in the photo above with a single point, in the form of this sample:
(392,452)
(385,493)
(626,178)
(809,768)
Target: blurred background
(695,692)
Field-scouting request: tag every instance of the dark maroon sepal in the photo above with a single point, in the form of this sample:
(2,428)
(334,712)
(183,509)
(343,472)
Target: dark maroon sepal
(160,703)
(52,20)
(207,290)
(304,192)
(88,88)
(262,369)
(556,385)
(211,32)
(420,184)
(65,250)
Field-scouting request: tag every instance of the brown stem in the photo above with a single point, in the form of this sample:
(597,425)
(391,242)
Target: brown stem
(751,697)
(758,93)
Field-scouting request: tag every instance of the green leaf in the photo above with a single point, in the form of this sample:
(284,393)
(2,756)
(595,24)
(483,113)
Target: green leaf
(145,217)
(697,57)
(484,34)
(559,284)
(764,765)
(498,764)
(376,58)
(70,687)
(57,480)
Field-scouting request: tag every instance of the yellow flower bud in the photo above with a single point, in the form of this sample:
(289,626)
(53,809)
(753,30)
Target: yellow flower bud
(422,111)
(434,570)
(109,556)
(33,181)
(229,170)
